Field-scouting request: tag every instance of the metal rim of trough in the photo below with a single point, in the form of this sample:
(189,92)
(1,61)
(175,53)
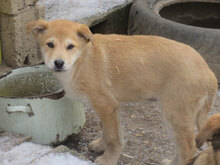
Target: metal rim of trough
(54,95)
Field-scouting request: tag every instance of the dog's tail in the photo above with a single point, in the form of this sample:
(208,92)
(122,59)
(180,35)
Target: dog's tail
(210,128)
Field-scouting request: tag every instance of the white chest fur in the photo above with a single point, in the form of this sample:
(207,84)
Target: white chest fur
(66,80)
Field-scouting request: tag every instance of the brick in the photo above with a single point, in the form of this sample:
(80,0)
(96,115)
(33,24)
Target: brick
(18,48)
(11,7)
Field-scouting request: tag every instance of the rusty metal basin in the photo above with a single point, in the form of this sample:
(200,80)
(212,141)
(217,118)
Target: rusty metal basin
(33,103)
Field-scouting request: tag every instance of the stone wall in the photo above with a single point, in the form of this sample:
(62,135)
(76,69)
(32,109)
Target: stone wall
(18,48)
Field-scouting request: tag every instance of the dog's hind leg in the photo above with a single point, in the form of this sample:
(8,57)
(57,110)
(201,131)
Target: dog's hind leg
(178,114)
(202,115)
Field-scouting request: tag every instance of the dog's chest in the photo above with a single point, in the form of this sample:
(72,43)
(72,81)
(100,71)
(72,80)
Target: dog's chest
(70,89)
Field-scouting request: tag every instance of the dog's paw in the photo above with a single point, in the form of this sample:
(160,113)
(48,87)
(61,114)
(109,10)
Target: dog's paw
(97,146)
(167,162)
(102,160)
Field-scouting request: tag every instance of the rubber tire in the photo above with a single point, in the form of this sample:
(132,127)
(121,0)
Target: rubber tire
(144,20)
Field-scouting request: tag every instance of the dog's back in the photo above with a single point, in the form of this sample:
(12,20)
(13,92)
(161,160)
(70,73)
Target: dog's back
(153,62)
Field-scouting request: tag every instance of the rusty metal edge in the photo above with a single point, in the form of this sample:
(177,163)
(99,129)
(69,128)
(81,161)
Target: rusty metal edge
(54,96)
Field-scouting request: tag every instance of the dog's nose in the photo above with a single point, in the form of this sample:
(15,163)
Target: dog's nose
(59,63)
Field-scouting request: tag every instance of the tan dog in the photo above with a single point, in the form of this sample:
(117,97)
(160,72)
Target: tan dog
(211,156)
(106,71)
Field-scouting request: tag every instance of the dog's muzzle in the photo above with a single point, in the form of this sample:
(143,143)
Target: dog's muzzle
(58,65)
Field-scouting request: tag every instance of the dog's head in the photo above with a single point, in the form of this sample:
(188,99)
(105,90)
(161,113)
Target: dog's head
(61,41)
(216,146)
(211,132)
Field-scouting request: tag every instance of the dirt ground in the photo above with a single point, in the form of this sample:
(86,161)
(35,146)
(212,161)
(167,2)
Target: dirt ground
(146,139)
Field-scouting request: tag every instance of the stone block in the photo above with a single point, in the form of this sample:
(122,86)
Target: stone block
(29,2)
(40,11)
(18,48)
(11,7)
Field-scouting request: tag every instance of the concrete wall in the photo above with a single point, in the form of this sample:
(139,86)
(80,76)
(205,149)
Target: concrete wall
(18,48)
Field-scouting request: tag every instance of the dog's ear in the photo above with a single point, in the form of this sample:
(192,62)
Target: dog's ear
(37,27)
(84,33)
(210,128)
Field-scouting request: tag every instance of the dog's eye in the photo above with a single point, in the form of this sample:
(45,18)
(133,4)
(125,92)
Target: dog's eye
(50,45)
(71,46)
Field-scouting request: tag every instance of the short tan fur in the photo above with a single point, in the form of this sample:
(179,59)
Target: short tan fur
(106,71)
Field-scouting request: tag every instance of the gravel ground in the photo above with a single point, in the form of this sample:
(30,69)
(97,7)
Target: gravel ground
(146,139)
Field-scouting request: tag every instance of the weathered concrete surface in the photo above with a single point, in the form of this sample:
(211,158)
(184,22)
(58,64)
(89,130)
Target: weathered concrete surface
(11,7)
(18,48)
(80,11)
(110,16)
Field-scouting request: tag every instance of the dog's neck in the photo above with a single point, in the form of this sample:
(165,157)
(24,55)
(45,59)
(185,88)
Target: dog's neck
(69,78)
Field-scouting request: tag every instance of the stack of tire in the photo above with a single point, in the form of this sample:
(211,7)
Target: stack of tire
(145,19)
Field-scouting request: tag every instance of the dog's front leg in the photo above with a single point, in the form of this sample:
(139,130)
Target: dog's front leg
(112,136)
